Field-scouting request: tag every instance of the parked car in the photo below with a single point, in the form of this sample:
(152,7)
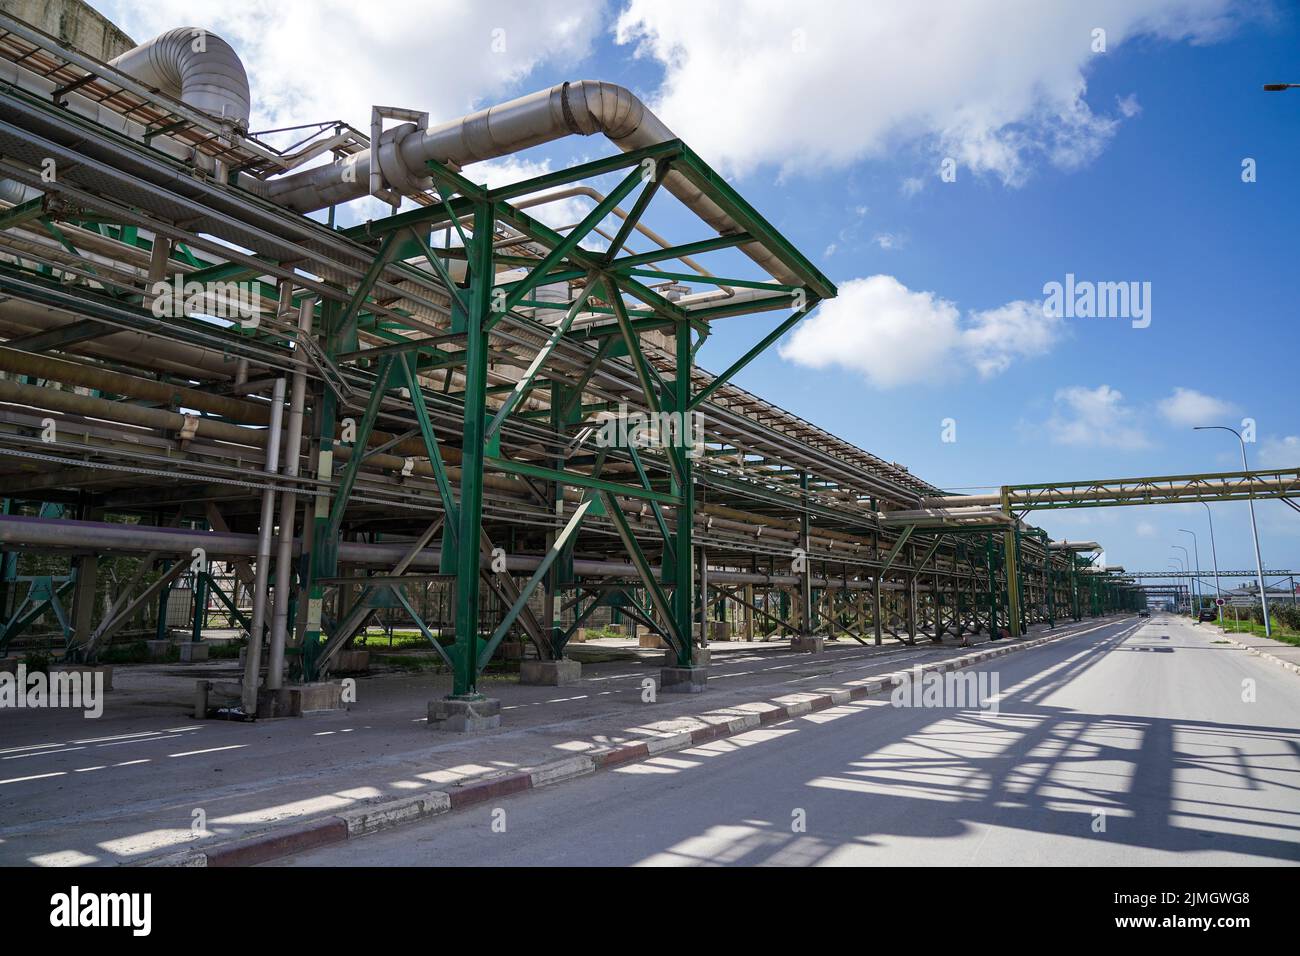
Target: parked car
(1207,615)
(1144,613)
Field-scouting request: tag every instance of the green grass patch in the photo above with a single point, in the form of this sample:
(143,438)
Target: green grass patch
(1284,634)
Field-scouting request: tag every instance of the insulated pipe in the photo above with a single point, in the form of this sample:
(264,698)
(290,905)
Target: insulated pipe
(195,66)
(105,537)
(19,318)
(583,107)
(103,379)
(288,511)
(265,528)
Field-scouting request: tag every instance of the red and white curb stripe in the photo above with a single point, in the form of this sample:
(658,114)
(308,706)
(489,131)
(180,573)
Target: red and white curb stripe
(370,818)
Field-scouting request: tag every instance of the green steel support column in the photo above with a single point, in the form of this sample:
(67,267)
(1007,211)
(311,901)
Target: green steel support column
(465,650)
(806,623)
(1050,575)
(992,589)
(160,629)
(1012,565)
(200,607)
(321,559)
(684,487)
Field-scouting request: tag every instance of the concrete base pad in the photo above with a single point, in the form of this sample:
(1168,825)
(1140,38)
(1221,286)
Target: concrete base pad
(699,657)
(683,680)
(302,700)
(550,673)
(192,651)
(464,716)
(808,644)
(351,660)
(294,700)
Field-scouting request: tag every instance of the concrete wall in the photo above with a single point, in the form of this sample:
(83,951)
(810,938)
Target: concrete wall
(75,23)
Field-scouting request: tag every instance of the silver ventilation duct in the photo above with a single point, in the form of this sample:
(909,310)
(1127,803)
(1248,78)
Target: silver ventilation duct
(197,67)
(584,107)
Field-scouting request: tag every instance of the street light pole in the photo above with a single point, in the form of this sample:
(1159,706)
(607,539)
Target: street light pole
(1196,550)
(1218,591)
(1187,569)
(1178,585)
(1254,532)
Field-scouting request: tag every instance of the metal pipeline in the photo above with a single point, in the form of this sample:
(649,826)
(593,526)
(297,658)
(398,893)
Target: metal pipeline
(288,512)
(52,534)
(90,376)
(197,67)
(583,107)
(265,529)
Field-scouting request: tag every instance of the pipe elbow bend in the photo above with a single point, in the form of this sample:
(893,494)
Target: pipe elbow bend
(196,66)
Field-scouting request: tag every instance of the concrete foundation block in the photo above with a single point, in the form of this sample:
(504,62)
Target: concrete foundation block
(683,680)
(579,636)
(354,660)
(719,630)
(619,629)
(465,716)
(158,650)
(699,655)
(648,638)
(193,651)
(808,644)
(550,673)
(211,694)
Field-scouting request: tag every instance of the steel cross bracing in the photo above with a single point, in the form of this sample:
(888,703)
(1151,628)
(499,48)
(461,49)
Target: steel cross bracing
(474,399)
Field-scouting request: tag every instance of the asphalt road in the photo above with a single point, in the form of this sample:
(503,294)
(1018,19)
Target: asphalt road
(1139,743)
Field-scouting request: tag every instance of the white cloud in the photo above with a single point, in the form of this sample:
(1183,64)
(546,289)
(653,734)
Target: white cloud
(997,85)
(1129,105)
(895,336)
(888,240)
(311,60)
(997,337)
(1187,406)
(1145,529)
(1280,452)
(1094,417)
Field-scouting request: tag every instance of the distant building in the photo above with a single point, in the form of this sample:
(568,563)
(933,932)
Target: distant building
(1248,595)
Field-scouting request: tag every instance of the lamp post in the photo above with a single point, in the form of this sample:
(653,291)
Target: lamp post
(1196,550)
(1187,569)
(1254,532)
(1178,586)
(1218,591)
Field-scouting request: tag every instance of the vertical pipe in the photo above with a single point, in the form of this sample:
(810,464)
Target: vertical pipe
(288,511)
(704,596)
(253,659)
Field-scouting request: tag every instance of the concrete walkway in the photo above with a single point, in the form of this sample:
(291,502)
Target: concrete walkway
(146,779)
(1278,652)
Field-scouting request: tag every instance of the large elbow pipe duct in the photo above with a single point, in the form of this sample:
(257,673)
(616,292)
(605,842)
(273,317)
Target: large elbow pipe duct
(585,107)
(195,66)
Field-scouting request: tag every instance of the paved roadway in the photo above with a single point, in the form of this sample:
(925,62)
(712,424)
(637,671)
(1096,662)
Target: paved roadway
(1136,727)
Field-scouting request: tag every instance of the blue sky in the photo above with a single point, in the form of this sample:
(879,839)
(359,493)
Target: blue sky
(1122,164)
